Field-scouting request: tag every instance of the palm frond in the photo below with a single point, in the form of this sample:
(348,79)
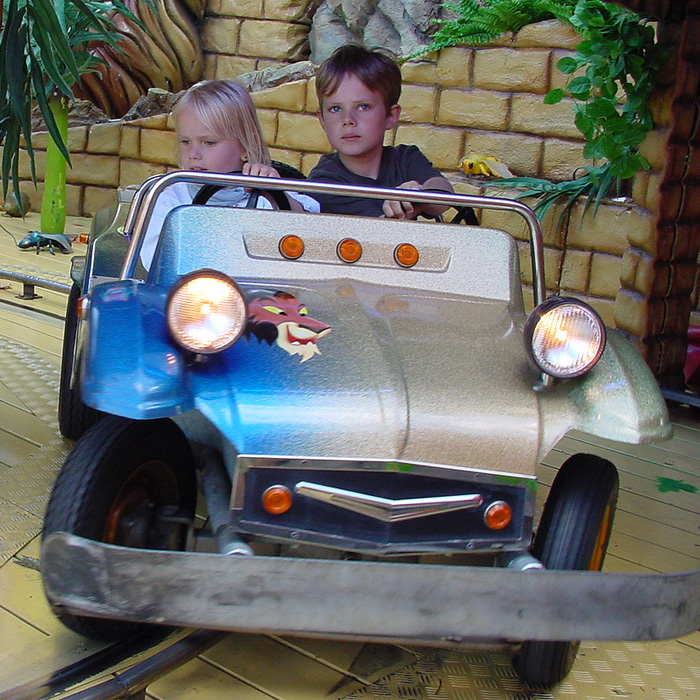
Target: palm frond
(44,50)
(595,184)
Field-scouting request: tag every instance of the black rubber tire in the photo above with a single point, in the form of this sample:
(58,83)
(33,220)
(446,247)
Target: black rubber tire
(74,417)
(573,535)
(110,488)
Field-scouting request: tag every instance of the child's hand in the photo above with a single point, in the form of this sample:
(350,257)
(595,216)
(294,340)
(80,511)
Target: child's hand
(394,209)
(263,170)
(259,170)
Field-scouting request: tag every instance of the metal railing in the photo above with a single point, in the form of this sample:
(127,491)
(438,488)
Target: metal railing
(129,684)
(30,282)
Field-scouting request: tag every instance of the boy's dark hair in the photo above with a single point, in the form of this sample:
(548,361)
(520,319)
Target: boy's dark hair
(375,68)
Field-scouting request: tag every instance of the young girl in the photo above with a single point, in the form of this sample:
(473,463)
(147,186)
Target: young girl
(218,132)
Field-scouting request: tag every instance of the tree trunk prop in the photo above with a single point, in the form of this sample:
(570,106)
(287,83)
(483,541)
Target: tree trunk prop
(53,202)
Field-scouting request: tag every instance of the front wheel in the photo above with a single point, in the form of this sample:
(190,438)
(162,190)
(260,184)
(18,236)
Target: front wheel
(573,535)
(74,417)
(129,483)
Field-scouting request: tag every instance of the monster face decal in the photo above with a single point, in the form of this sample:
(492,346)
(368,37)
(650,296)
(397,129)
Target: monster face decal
(279,317)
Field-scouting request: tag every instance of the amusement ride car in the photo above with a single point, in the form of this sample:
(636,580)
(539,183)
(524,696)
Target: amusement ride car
(363,404)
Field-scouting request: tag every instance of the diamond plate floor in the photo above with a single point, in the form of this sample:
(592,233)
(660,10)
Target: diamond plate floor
(657,529)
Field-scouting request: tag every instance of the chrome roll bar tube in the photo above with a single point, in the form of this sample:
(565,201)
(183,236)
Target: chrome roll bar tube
(144,201)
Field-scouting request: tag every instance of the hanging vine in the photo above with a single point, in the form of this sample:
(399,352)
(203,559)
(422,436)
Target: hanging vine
(611,78)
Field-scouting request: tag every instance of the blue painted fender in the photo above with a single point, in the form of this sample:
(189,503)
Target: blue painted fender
(131,367)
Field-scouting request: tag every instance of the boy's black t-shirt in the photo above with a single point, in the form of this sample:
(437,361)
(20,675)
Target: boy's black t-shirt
(399,164)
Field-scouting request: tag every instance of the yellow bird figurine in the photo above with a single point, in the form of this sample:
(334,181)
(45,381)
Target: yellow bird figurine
(477,164)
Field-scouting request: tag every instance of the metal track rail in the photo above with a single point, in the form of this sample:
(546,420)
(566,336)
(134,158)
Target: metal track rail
(128,684)
(30,282)
(681,397)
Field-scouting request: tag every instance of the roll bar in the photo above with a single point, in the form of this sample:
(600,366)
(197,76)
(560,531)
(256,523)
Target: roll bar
(144,201)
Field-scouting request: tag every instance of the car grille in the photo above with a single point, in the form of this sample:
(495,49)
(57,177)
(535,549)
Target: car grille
(310,520)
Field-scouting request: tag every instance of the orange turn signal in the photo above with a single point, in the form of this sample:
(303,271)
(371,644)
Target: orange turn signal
(498,515)
(292,247)
(406,255)
(277,500)
(81,306)
(349,250)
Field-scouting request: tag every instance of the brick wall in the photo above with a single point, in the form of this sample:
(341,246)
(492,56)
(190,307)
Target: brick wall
(240,36)
(486,99)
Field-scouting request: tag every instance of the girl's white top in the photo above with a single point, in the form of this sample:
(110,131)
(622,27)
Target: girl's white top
(183,193)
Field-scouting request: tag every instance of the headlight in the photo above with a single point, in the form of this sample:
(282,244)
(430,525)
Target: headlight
(564,337)
(206,312)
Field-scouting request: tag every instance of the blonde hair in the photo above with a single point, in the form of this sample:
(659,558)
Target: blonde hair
(226,108)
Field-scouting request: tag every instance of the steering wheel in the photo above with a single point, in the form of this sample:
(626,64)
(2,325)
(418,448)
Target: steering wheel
(277,197)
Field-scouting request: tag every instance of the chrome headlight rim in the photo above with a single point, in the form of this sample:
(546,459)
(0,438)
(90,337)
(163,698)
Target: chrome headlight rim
(531,326)
(171,318)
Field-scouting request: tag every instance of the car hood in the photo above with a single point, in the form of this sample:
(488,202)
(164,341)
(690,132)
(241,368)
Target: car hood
(354,370)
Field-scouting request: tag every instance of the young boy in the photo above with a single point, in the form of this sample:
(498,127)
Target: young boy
(358,92)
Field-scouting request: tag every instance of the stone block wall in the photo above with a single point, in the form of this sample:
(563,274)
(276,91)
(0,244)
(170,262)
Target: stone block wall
(483,99)
(240,36)
(462,99)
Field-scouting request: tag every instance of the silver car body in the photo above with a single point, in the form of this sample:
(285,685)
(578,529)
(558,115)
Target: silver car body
(423,371)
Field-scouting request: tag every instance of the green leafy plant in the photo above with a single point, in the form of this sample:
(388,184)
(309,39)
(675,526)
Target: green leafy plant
(611,77)
(619,58)
(593,184)
(478,21)
(44,51)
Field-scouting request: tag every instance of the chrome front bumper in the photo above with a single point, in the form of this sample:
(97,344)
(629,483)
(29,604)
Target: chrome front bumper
(430,604)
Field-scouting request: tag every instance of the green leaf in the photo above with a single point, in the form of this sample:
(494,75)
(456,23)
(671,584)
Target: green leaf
(554,96)
(617,66)
(600,108)
(53,71)
(584,48)
(9,152)
(567,64)
(47,112)
(90,14)
(13,60)
(580,87)
(584,123)
(625,166)
(43,13)
(592,150)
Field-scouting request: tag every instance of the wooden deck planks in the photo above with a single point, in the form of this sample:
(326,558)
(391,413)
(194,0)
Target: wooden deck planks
(42,332)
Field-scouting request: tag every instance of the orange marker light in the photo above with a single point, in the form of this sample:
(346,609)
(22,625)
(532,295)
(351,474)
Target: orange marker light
(498,515)
(292,247)
(349,250)
(392,304)
(406,255)
(276,500)
(81,307)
